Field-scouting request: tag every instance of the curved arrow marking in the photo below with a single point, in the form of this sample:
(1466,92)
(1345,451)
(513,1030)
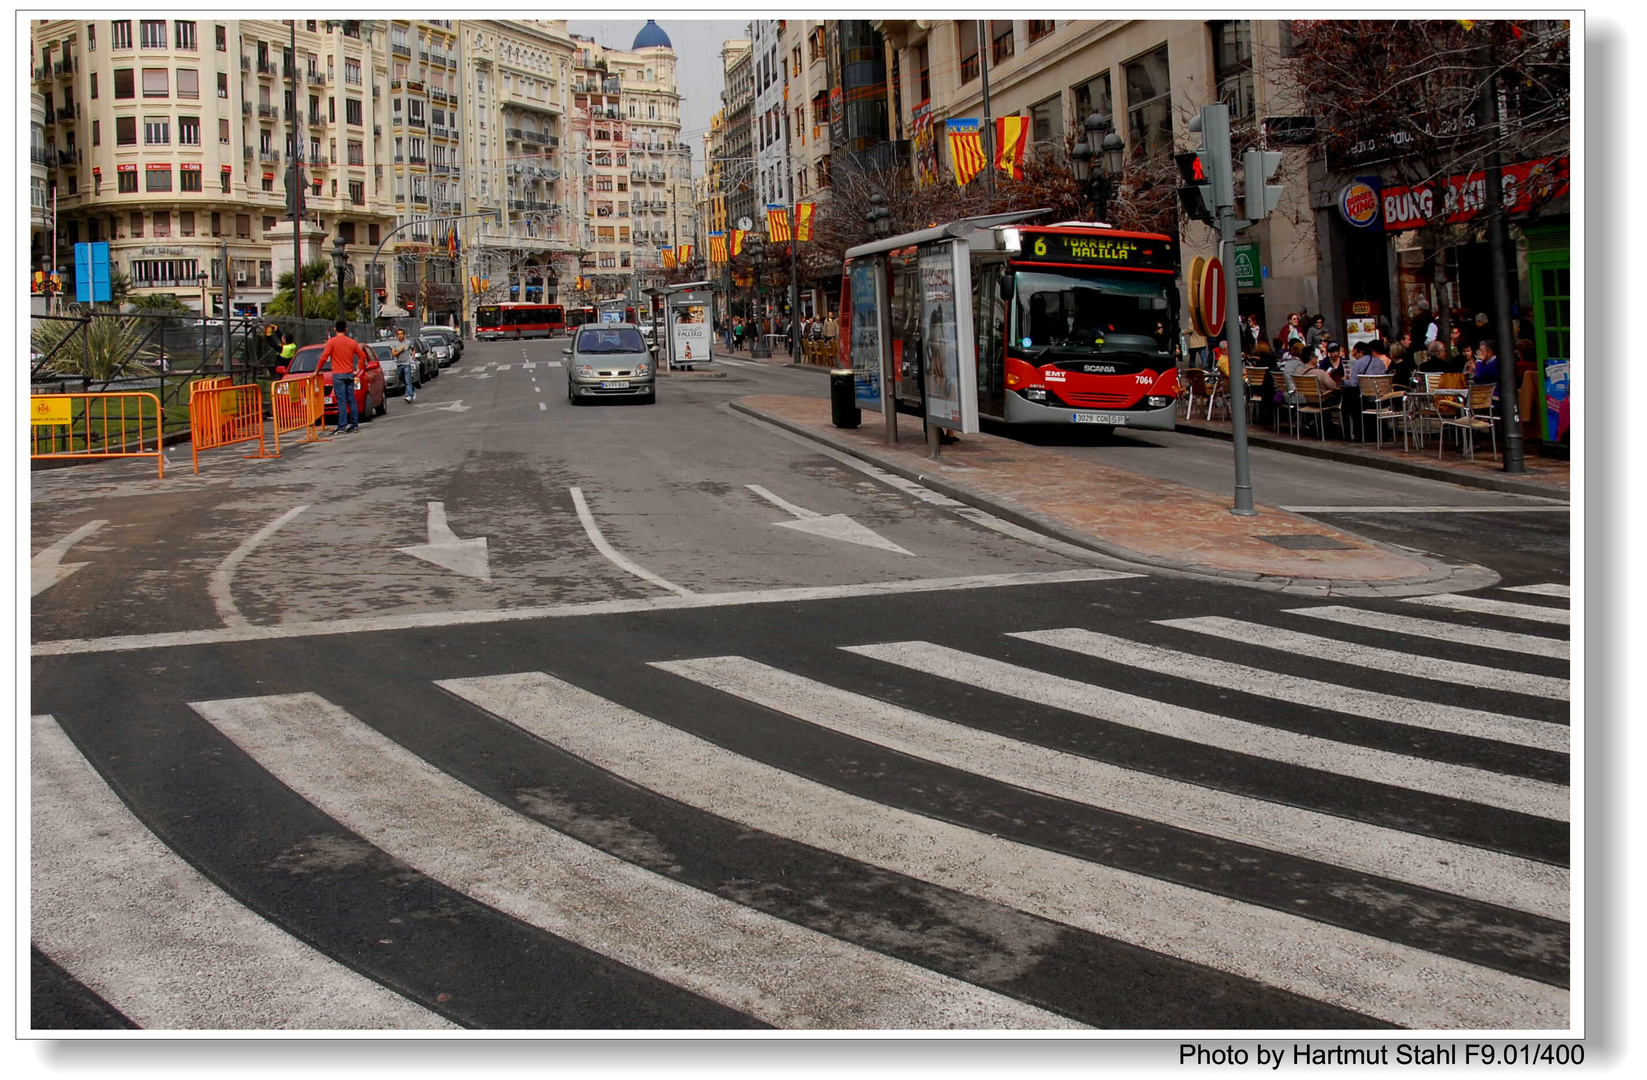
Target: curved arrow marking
(466,557)
(833,527)
(48,568)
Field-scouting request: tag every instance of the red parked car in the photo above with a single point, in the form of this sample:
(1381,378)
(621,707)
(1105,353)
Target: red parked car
(371,397)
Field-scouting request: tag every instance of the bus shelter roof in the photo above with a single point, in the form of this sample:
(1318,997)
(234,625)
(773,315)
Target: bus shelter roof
(949,231)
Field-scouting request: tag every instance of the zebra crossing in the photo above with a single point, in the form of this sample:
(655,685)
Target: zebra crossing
(1194,822)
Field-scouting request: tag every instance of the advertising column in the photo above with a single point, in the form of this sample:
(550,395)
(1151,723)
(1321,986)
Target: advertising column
(950,368)
(689,328)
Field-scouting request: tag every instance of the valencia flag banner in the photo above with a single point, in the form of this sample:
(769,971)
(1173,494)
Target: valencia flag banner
(803,220)
(717,247)
(668,258)
(737,242)
(966,152)
(777,223)
(1011,137)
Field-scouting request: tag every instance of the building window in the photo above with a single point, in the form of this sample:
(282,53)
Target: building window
(265,273)
(94,85)
(351,71)
(156,82)
(91,37)
(357,152)
(185,35)
(157,131)
(163,223)
(188,83)
(188,131)
(125,86)
(223,132)
(125,131)
(1046,120)
(268,183)
(1232,67)
(222,39)
(185,218)
(1091,97)
(97,133)
(126,182)
(222,85)
(134,223)
(966,33)
(120,34)
(227,177)
(157,179)
(352,113)
(357,192)
(1149,102)
(1040,28)
(1003,48)
(189,181)
(153,33)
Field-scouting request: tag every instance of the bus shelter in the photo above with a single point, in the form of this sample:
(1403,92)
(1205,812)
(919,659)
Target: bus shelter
(688,323)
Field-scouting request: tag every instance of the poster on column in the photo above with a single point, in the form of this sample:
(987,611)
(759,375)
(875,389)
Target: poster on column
(689,329)
(864,329)
(948,362)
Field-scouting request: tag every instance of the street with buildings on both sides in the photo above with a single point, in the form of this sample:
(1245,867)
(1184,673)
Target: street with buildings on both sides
(508,714)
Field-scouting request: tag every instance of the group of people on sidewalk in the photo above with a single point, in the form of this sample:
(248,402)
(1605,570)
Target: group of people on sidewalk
(1304,348)
(740,333)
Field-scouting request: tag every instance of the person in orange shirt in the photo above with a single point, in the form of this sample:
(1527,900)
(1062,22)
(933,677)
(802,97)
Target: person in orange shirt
(348,358)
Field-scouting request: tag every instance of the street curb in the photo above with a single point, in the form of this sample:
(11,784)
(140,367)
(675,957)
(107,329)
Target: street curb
(1424,472)
(1455,577)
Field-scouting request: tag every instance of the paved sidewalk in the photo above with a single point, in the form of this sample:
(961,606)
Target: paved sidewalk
(1127,516)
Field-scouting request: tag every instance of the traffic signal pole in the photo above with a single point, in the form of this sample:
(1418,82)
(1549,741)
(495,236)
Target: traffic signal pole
(1215,131)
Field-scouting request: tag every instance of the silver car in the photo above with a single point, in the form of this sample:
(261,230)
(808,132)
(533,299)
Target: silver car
(609,360)
(391,370)
(439,347)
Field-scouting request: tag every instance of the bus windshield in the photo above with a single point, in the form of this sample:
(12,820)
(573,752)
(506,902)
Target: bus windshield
(488,316)
(1072,313)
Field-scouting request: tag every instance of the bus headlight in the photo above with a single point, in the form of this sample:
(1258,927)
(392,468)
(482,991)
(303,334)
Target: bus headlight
(1155,401)
(1036,393)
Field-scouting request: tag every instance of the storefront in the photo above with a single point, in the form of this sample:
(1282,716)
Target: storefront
(1549,272)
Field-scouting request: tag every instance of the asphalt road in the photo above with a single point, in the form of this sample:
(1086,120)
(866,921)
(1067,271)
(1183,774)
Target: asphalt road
(724,732)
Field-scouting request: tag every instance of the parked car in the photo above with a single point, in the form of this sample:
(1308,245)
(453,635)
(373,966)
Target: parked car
(609,360)
(427,366)
(371,397)
(391,370)
(453,338)
(439,346)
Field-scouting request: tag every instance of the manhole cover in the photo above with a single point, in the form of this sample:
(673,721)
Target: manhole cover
(1307,542)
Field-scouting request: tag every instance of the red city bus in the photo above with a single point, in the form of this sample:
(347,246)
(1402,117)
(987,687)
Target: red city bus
(581,316)
(513,320)
(1068,323)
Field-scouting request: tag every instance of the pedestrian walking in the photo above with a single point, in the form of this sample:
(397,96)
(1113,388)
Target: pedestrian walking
(400,350)
(831,327)
(347,357)
(738,333)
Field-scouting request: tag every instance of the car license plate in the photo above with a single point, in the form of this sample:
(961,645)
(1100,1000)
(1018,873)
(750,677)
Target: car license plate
(615,384)
(1117,419)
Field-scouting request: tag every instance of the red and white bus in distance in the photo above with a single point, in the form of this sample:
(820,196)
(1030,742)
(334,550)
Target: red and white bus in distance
(514,320)
(582,316)
(1071,323)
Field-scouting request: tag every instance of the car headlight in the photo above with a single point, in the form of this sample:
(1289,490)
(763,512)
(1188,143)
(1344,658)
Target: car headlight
(643,370)
(583,371)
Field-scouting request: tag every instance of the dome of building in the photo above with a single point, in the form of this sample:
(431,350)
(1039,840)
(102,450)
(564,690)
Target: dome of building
(651,36)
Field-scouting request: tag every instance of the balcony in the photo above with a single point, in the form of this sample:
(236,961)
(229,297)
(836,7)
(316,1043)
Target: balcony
(40,155)
(267,67)
(245,63)
(423,55)
(65,67)
(42,73)
(512,133)
(247,152)
(531,137)
(316,120)
(418,159)
(377,130)
(320,161)
(245,108)
(317,78)
(437,94)
(517,204)
(400,49)
(269,157)
(68,157)
(440,132)
(268,112)
(51,116)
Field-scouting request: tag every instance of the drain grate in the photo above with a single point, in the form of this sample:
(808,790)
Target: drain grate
(1307,542)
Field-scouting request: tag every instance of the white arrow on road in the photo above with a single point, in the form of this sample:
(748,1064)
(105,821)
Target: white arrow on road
(456,406)
(833,527)
(466,557)
(48,568)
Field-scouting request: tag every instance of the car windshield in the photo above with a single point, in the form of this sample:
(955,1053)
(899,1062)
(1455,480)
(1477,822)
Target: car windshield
(430,341)
(1090,315)
(306,360)
(620,339)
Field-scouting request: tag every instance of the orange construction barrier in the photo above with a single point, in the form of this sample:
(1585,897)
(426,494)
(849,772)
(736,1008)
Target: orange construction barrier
(96,426)
(297,401)
(222,414)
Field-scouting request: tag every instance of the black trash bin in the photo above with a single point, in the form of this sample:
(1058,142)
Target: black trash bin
(843,400)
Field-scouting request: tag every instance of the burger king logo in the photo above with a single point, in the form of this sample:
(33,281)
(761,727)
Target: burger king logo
(1358,202)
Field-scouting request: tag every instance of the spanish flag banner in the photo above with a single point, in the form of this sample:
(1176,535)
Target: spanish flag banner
(737,242)
(451,241)
(803,220)
(717,247)
(1011,138)
(668,258)
(966,152)
(777,223)
(683,254)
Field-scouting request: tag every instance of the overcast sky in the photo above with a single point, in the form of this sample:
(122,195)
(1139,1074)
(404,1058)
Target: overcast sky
(698,45)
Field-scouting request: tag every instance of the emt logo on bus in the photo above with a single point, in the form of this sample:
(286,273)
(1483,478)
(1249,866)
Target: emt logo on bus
(1142,252)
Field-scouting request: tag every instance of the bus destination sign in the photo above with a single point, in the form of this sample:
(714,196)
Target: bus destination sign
(1139,252)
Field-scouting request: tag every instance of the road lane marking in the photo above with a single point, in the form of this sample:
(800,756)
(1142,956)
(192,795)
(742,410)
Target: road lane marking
(1502,640)
(1398,983)
(772,969)
(542,407)
(1357,654)
(486,616)
(1430,863)
(1550,589)
(1441,778)
(621,561)
(147,932)
(1480,605)
(219,582)
(1276,685)
(48,568)
(831,527)
(444,549)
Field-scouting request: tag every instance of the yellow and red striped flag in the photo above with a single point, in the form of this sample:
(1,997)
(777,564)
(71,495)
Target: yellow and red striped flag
(966,152)
(668,258)
(717,247)
(1011,139)
(777,223)
(803,220)
(451,241)
(683,254)
(737,242)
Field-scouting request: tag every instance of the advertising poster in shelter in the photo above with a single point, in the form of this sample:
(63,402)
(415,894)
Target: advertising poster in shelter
(689,330)
(865,331)
(950,366)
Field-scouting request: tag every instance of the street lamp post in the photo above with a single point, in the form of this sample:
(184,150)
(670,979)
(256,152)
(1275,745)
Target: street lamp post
(205,314)
(757,254)
(1097,159)
(879,217)
(340,263)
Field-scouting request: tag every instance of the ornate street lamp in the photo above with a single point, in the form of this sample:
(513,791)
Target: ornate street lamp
(756,246)
(879,217)
(340,263)
(1097,160)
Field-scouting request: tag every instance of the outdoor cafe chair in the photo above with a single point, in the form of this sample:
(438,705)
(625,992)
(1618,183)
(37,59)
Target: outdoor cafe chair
(1313,401)
(1381,403)
(1475,414)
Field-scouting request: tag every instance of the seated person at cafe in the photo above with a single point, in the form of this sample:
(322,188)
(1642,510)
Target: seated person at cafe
(1486,366)
(1402,367)
(1436,360)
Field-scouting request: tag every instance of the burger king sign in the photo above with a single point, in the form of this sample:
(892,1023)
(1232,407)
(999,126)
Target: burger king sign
(1358,202)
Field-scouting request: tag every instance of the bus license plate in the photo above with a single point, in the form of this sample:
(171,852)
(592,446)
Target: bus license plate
(615,384)
(1117,419)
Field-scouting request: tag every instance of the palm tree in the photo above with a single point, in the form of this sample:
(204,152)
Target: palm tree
(104,347)
(319,297)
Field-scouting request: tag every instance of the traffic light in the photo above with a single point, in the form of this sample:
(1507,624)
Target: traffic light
(1195,193)
(1262,196)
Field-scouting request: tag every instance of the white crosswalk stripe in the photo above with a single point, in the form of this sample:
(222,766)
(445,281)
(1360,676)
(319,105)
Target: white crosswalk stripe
(1547,589)
(781,973)
(1378,766)
(1398,983)
(1501,640)
(1481,605)
(1361,655)
(1282,686)
(126,916)
(1464,871)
